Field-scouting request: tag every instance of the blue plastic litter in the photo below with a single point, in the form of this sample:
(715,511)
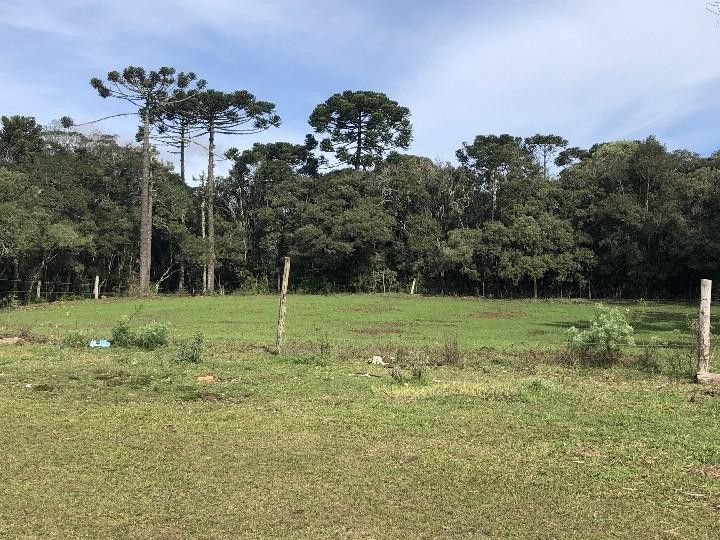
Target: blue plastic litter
(102,343)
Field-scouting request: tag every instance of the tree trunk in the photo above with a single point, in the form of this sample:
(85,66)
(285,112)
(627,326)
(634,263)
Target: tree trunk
(494,190)
(145,209)
(358,150)
(203,226)
(181,270)
(182,151)
(16,277)
(210,212)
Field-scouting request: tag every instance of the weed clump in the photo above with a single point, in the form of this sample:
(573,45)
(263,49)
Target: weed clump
(75,339)
(396,375)
(152,336)
(122,334)
(603,343)
(148,337)
(417,362)
(450,354)
(190,350)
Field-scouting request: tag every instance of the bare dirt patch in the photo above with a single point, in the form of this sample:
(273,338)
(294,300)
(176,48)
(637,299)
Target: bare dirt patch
(711,471)
(497,315)
(368,308)
(387,328)
(587,453)
(16,340)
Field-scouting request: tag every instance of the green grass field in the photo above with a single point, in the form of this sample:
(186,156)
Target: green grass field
(354,319)
(317,443)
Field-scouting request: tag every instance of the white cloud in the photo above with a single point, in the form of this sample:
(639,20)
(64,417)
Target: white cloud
(589,71)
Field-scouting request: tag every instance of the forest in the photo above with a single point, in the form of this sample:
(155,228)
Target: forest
(512,216)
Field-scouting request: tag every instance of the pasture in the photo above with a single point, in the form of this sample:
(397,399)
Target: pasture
(317,443)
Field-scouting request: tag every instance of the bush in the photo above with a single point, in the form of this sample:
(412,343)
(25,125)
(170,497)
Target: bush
(190,350)
(149,337)
(152,336)
(75,339)
(604,341)
(122,334)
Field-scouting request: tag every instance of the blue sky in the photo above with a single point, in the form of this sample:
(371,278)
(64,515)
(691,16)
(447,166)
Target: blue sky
(590,71)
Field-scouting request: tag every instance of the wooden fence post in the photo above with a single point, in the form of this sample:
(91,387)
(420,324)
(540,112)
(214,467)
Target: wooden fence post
(96,288)
(38,289)
(283,304)
(703,361)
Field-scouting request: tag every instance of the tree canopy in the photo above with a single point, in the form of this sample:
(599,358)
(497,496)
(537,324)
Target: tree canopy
(515,216)
(362,126)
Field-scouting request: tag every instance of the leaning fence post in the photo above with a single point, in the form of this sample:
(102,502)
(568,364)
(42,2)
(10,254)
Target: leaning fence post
(96,288)
(283,303)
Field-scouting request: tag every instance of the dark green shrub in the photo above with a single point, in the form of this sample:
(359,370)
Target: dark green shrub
(152,336)
(75,339)
(122,334)
(149,337)
(190,350)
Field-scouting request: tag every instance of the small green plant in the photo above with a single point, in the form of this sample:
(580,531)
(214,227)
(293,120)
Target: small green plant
(149,337)
(75,339)
(122,334)
(190,350)
(152,336)
(604,341)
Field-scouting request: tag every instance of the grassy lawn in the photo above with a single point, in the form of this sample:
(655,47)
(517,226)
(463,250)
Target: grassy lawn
(353,319)
(122,443)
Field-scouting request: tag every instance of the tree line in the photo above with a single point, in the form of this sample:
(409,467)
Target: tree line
(513,216)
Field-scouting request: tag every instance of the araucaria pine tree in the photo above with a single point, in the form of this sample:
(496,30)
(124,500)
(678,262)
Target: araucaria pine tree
(152,93)
(227,113)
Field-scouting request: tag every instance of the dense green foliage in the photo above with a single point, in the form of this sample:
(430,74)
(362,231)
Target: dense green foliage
(625,218)
(190,350)
(609,333)
(149,337)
